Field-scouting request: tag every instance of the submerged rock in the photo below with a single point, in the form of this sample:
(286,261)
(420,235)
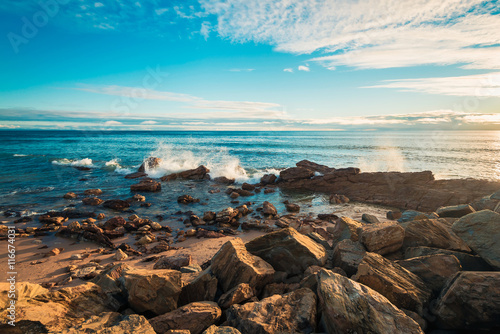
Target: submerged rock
(116,204)
(147,185)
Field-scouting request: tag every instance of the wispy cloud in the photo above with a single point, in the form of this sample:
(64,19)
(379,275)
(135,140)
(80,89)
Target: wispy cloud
(112,123)
(149,123)
(303,68)
(242,70)
(288,70)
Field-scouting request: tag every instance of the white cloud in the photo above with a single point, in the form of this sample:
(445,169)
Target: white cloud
(149,123)
(160,11)
(98,4)
(481,85)
(112,123)
(206,27)
(242,70)
(288,70)
(368,33)
(303,68)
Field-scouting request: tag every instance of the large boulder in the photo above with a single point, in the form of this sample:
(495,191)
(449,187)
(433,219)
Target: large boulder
(350,307)
(468,262)
(382,238)
(289,251)
(113,323)
(296,173)
(294,312)
(432,233)
(155,291)
(233,265)
(403,288)
(455,211)
(434,270)
(202,287)
(195,317)
(347,255)
(481,232)
(346,228)
(199,173)
(471,300)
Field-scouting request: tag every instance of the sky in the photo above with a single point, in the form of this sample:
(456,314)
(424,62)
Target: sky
(250,65)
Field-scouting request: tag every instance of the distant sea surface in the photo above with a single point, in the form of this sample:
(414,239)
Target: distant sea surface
(36,167)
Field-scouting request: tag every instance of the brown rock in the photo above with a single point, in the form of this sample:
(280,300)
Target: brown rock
(135,175)
(113,323)
(221,330)
(314,167)
(369,219)
(455,211)
(54,252)
(240,293)
(223,180)
(93,192)
(226,216)
(203,287)
(296,173)
(114,222)
(195,317)
(288,250)
(92,201)
(268,179)
(350,307)
(467,261)
(292,207)
(394,215)
(346,228)
(200,173)
(233,265)
(347,255)
(173,262)
(187,199)
(70,195)
(403,288)
(147,185)
(382,238)
(149,163)
(338,199)
(248,187)
(268,209)
(116,204)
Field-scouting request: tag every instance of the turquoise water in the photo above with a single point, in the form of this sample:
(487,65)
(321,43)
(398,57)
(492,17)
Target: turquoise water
(36,167)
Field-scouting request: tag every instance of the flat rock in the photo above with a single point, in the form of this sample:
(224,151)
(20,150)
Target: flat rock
(294,312)
(382,238)
(233,265)
(351,307)
(481,232)
(455,211)
(174,262)
(347,255)
(287,250)
(403,288)
(195,317)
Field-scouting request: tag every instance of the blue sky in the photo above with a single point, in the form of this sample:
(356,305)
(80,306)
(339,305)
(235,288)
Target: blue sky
(250,65)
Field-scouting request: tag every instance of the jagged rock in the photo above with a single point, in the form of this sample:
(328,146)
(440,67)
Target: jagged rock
(233,265)
(226,216)
(296,173)
(93,192)
(173,262)
(382,238)
(294,312)
(120,255)
(350,307)
(74,226)
(403,288)
(70,195)
(192,268)
(470,300)
(481,232)
(467,261)
(288,250)
(94,201)
(200,173)
(209,216)
(347,255)
(113,323)
(116,204)
(455,211)
(149,163)
(434,270)
(338,199)
(221,330)
(224,180)
(144,240)
(370,219)
(154,291)
(236,295)
(187,199)
(48,220)
(114,222)
(346,228)
(268,209)
(147,185)
(316,237)
(315,167)
(135,175)
(195,317)
(432,233)
(268,179)
(203,287)
(292,207)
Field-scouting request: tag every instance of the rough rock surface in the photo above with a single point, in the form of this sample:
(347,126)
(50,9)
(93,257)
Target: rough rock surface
(455,211)
(350,307)
(382,238)
(287,250)
(347,255)
(294,312)
(236,295)
(173,262)
(113,323)
(200,173)
(221,330)
(467,261)
(202,287)
(233,265)
(296,173)
(149,163)
(346,228)
(116,204)
(481,231)
(146,185)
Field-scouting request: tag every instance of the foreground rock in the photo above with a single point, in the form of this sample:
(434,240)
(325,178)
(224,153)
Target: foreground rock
(202,287)
(236,295)
(289,251)
(113,323)
(471,300)
(350,307)
(195,317)
(347,255)
(481,231)
(382,238)
(200,173)
(403,288)
(221,330)
(233,265)
(294,312)
(455,211)
(467,261)
(346,228)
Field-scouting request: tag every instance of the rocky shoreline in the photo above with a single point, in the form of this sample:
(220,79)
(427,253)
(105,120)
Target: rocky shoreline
(431,265)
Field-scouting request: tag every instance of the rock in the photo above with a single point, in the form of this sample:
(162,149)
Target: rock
(338,199)
(314,167)
(292,207)
(200,173)
(268,209)
(224,180)
(347,255)
(288,250)
(330,217)
(54,252)
(495,195)
(226,216)
(403,288)
(135,175)
(70,195)
(192,268)
(203,287)
(74,226)
(93,192)
(346,228)
(410,215)
(234,195)
(49,220)
(350,307)
(268,179)
(84,273)
(92,201)
(470,300)
(195,317)
(240,293)
(120,255)
(233,265)
(114,222)
(370,219)
(147,185)
(173,262)
(434,270)
(382,238)
(432,233)
(154,291)
(137,198)
(248,187)
(221,330)
(209,216)
(149,163)
(467,261)
(155,226)
(101,216)
(294,312)
(455,211)
(394,215)
(296,173)
(113,323)
(116,204)
(481,232)
(144,240)
(187,199)
(316,237)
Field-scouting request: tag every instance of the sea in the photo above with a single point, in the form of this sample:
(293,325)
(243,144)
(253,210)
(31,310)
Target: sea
(38,167)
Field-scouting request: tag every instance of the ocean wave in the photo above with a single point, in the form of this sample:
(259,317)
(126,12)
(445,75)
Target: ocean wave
(85,162)
(20,155)
(114,165)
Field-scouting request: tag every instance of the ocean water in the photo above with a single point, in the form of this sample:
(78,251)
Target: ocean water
(36,167)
